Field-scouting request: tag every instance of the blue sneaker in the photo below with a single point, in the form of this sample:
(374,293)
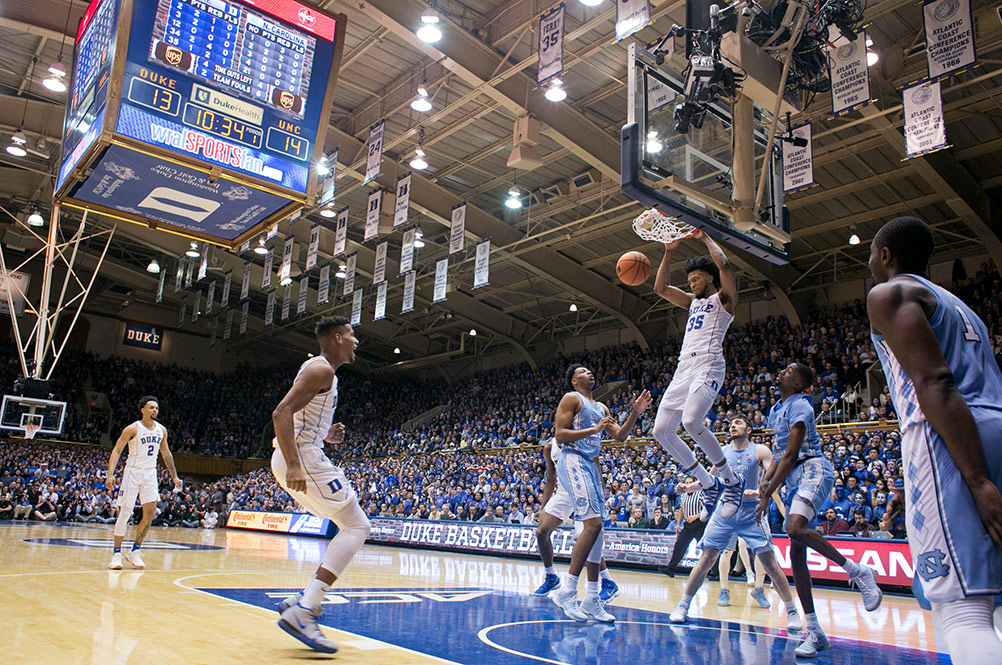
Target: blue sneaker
(551,582)
(758,595)
(731,497)
(609,591)
(724,599)
(710,497)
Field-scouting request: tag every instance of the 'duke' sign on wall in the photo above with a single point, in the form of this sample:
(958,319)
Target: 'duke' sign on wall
(143,337)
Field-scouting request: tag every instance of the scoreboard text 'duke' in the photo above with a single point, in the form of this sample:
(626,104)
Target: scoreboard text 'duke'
(201,116)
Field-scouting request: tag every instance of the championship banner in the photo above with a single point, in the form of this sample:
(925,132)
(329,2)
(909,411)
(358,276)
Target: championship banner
(356,307)
(245,285)
(380,302)
(179,280)
(374,158)
(551,45)
(949,37)
(181,312)
(925,130)
(311,252)
(227,285)
(215,330)
(798,163)
(286,302)
(379,270)
(228,328)
(631,15)
(269,309)
(211,297)
(457,232)
(189,273)
(341,232)
(402,203)
(323,288)
(409,282)
(244,315)
(441,280)
(372,215)
(482,265)
(327,183)
(849,73)
(198,306)
(203,265)
(160,286)
(349,274)
(269,263)
(304,288)
(287,250)
(407,250)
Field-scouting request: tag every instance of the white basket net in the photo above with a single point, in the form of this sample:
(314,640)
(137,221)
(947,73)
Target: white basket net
(654,226)
(30,430)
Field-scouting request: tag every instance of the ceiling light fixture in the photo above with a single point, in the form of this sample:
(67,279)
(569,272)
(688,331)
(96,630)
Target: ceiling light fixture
(556,92)
(342,272)
(193,250)
(591,3)
(514,200)
(260,249)
(573,307)
(35,218)
(419,163)
(653,144)
(871,58)
(421,103)
(17,142)
(396,350)
(56,82)
(323,166)
(154,267)
(473,332)
(328,212)
(429,32)
(285,281)
(853,239)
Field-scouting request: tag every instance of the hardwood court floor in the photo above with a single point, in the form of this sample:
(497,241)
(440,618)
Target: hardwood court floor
(208,597)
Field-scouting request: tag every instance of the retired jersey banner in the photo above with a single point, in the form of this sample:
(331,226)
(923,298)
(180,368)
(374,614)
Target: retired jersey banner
(949,37)
(203,265)
(227,285)
(269,309)
(286,302)
(409,282)
(196,310)
(349,274)
(181,312)
(849,73)
(372,215)
(327,181)
(441,280)
(482,265)
(457,231)
(323,288)
(356,307)
(245,285)
(379,270)
(925,131)
(551,45)
(287,250)
(215,330)
(374,157)
(228,328)
(189,273)
(341,232)
(407,250)
(304,287)
(798,163)
(244,315)
(269,264)
(311,253)
(179,278)
(402,204)
(631,15)
(160,286)
(380,302)
(210,299)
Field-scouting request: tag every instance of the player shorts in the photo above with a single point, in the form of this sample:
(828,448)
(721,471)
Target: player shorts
(953,555)
(810,482)
(138,482)
(721,531)
(327,489)
(559,504)
(702,375)
(580,477)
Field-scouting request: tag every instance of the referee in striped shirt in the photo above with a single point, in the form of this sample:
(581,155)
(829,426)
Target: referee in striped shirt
(689,528)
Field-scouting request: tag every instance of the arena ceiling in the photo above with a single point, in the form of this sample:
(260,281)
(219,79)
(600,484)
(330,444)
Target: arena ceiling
(549,254)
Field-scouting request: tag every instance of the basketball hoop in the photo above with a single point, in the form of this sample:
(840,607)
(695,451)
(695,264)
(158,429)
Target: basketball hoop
(29,430)
(652,225)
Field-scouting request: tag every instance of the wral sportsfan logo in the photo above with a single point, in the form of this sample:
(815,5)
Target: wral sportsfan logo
(306,16)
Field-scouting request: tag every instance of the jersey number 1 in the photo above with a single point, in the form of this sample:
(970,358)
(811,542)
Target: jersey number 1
(970,334)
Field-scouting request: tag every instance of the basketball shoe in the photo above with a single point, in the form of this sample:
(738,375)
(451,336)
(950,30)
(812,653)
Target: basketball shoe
(567,600)
(609,591)
(866,580)
(289,601)
(678,615)
(592,607)
(301,623)
(116,561)
(730,498)
(758,595)
(724,599)
(551,582)
(815,641)
(135,559)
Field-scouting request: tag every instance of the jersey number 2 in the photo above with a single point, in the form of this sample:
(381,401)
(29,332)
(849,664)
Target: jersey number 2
(150,453)
(970,334)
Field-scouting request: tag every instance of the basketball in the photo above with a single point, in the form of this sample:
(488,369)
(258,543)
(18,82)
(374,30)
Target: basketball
(633,268)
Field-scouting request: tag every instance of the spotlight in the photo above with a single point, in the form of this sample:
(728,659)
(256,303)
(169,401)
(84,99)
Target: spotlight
(473,332)
(514,201)
(342,272)
(154,267)
(871,58)
(56,82)
(193,250)
(429,32)
(327,212)
(418,243)
(853,239)
(285,281)
(591,3)
(573,307)
(17,142)
(396,350)
(421,103)
(323,168)
(35,218)
(419,162)
(556,92)
(653,146)
(260,249)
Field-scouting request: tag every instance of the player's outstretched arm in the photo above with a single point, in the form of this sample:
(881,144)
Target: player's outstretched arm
(316,377)
(896,312)
(662,287)
(640,404)
(169,460)
(128,433)
(728,283)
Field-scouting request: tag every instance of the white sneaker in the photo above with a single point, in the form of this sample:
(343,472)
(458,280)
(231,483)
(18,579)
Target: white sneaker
(301,623)
(678,615)
(814,642)
(567,600)
(116,561)
(794,624)
(135,559)
(591,607)
(866,580)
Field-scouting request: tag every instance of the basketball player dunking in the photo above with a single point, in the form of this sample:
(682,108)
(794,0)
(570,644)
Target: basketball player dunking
(146,439)
(700,371)
(947,391)
(304,422)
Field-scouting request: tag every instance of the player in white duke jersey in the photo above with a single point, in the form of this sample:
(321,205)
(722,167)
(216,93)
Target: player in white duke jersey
(557,507)
(304,423)
(700,371)
(746,459)
(947,392)
(579,424)
(146,439)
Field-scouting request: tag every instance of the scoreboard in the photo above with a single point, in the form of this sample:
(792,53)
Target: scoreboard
(216,112)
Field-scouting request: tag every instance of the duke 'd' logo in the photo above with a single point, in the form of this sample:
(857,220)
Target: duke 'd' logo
(306,16)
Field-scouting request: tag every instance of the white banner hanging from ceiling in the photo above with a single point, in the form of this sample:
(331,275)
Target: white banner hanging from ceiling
(551,45)
(327,181)
(304,287)
(211,298)
(349,274)
(849,73)
(323,288)
(269,264)
(379,271)
(311,253)
(160,286)
(203,264)
(189,273)
(287,250)
(949,37)
(269,309)
(245,285)
(286,302)
(631,15)
(196,310)
(179,278)
(441,280)
(227,285)
(374,158)
(215,330)
(228,328)
(482,264)
(410,280)
(181,311)
(356,307)
(341,232)
(244,313)
(457,231)
(798,162)
(380,302)
(402,203)
(372,215)
(925,130)
(407,250)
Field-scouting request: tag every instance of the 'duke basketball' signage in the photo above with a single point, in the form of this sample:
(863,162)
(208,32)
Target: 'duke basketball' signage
(143,337)
(203,116)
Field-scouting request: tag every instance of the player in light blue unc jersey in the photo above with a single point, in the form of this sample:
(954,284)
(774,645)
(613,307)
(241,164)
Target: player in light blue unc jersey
(146,439)
(947,392)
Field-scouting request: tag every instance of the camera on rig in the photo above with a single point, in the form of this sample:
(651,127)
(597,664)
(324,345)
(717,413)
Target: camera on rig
(707,79)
